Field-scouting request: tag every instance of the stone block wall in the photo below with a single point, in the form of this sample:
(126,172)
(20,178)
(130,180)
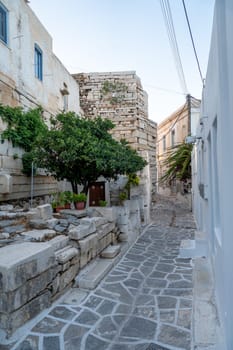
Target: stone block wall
(119,96)
(40,256)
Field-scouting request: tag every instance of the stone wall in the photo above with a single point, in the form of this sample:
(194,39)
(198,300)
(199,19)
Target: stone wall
(42,253)
(119,96)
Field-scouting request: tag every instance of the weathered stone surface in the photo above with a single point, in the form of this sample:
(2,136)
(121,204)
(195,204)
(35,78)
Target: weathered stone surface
(97,220)
(21,316)
(40,235)
(39,224)
(133,328)
(49,325)
(59,242)
(82,231)
(63,313)
(14,229)
(105,229)
(174,336)
(19,265)
(30,343)
(68,276)
(111,251)
(51,343)
(13,300)
(73,337)
(76,213)
(166,302)
(107,213)
(91,279)
(65,254)
(6,207)
(87,317)
(88,243)
(45,211)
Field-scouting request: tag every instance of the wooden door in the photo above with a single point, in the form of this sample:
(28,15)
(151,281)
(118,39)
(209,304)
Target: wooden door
(96,193)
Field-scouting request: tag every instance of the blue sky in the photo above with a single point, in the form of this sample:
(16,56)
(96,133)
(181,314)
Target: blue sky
(119,35)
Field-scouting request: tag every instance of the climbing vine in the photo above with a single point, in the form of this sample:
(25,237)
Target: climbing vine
(24,128)
(114,92)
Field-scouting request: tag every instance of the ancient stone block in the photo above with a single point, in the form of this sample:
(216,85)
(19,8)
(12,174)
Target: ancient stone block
(82,231)
(6,183)
(105,229)
(68,276)
(18,318)
(19,265)
(40,235)
(65,254)
(45,211)
(98,221)
(13,300)
(59,242)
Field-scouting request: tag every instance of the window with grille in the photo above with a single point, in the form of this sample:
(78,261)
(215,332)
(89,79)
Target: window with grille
(38,57)
(3,23)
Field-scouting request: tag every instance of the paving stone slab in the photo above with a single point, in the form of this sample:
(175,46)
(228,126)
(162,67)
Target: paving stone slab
(110,252)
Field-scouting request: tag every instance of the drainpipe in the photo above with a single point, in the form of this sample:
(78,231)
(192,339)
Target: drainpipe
(32,183)
(188,99)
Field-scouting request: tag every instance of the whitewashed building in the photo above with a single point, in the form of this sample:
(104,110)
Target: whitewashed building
(30,76)
(213,165)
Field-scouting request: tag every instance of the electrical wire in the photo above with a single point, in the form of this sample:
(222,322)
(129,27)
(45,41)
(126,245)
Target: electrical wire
(194,48)
(167,14)
(163,89)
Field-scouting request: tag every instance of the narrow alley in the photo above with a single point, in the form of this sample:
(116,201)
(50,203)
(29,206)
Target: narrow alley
(144,303)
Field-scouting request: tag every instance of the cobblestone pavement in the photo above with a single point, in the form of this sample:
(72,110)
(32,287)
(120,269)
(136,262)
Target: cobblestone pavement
(144,303)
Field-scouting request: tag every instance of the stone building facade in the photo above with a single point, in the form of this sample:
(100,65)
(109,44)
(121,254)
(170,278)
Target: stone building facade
(30,76)
(171,132)
(119,96)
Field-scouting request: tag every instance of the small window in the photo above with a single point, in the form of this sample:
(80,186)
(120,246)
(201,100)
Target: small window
(65,103)
(38,62)
(3,23)
(173,138)
(164,143)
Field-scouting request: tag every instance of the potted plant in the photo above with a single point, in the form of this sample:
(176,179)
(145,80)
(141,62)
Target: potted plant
(79,200)
(57,203)
(61,200)
(67,197)
(103,203)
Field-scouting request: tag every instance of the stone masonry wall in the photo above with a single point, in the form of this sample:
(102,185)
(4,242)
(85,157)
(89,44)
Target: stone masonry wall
(42,253)
(119,96)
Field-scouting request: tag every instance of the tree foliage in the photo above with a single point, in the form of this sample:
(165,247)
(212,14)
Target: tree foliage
(23,128)
(80,150)
(178,163)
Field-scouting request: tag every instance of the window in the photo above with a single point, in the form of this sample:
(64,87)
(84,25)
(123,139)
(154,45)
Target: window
(164,143)
(173,138)
(3,23)
(38,57)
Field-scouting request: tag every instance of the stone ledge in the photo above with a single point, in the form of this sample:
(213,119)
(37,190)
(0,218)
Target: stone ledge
(110,252)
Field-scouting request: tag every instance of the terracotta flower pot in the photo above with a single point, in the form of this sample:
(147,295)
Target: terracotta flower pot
(79,205)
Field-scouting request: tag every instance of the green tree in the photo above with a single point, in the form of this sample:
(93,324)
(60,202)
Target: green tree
(80,150)
(178,163)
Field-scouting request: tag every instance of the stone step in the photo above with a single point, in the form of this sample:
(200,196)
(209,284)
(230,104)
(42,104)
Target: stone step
(110,252)
(190,248)
(94,274)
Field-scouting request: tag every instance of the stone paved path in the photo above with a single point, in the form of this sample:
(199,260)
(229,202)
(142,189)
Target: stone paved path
(145,302)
